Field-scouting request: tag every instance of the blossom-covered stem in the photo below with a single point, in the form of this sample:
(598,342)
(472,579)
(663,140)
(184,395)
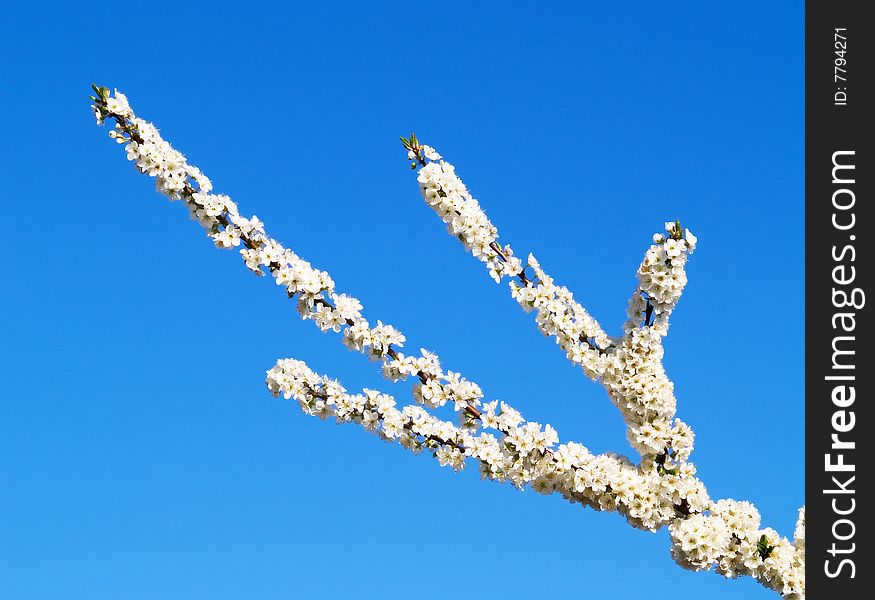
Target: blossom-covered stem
(725,534)
(660,284)
(521,275)
(523,453)
(445,192)
(630,366)
(314,289)
(662,490)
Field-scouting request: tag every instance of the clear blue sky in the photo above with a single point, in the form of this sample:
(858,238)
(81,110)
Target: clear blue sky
(141,456)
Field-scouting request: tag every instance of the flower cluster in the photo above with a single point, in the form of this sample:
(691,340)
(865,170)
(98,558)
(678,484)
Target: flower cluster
(662,490)
(637,384)
(630,368)
(661,279)
(515,451)
(729,539)
(314,289)
(219,216)
(799,533)
(559,316)
(449,197)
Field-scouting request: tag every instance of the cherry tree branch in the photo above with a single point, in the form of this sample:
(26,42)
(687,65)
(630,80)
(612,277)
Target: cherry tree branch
(630,366)
(662,491)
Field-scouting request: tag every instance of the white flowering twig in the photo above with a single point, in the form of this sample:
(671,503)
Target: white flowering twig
(629,367)
(662,490)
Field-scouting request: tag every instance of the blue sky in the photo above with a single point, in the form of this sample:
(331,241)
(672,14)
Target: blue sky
(140,454)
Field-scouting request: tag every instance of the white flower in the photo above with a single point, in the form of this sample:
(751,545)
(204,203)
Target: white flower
(347,307)
(370,419)
(227,238)
(673,248)
(393,423)
(799,533)
(452,457)
(118,105)
(690,239)
(430,153)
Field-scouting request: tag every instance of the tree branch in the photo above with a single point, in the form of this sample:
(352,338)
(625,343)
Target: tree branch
(663,490)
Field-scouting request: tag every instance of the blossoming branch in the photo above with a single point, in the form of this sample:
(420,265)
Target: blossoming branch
(660,490)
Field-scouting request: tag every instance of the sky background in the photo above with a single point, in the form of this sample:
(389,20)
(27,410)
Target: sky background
(141,456)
